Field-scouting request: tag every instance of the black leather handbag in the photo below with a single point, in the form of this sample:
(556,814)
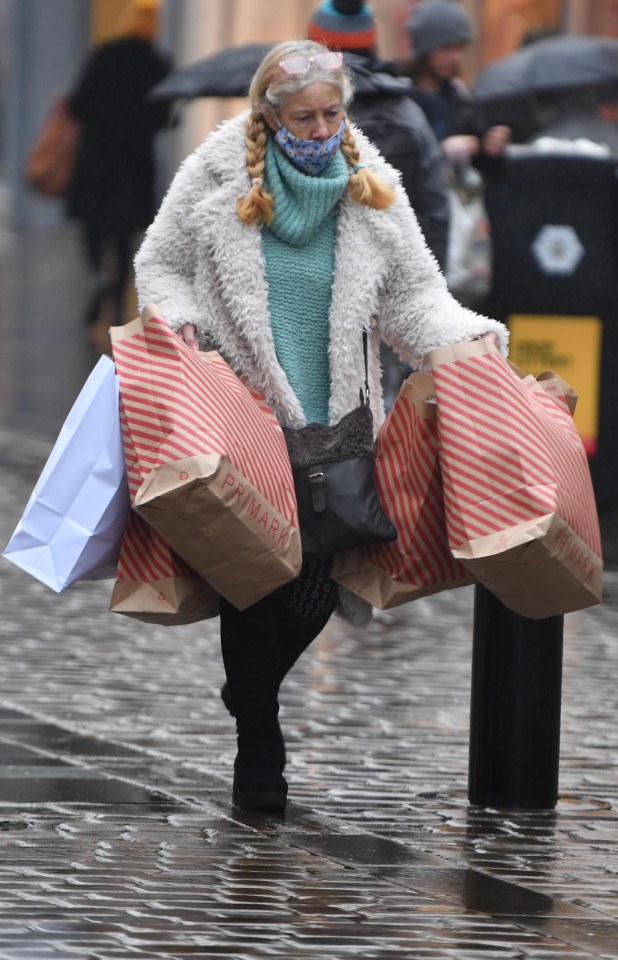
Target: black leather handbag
(338,502)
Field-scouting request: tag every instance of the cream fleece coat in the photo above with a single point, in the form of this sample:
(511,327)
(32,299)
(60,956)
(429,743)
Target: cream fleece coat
(202,265)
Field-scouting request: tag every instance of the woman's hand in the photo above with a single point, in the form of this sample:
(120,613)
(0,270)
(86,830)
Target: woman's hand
(496,140)
(188,333)
(460,148)
(492,337)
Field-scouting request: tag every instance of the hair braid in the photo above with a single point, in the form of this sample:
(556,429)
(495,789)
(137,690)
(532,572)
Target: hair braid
(257,205)
(364,185)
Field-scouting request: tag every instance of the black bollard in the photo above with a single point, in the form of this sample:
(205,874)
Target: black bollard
(515,707)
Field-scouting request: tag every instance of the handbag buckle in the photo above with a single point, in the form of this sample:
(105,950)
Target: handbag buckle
(317,483)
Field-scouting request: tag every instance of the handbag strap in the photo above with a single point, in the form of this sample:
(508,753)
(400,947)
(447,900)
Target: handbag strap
(366,396)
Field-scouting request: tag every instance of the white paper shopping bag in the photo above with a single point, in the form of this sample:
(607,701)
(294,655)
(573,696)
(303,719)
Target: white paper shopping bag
(73,523)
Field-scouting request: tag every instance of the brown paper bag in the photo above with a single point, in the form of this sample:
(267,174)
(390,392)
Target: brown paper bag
(217,481)
(154,585)
(519,503)
(419,562)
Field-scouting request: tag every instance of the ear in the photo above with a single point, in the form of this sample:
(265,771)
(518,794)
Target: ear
(271,119)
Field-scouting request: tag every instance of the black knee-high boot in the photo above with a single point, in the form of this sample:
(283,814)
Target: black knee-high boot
(303,607)
(249,644)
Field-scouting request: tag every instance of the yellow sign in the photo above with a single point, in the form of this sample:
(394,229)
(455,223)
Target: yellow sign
(571,347)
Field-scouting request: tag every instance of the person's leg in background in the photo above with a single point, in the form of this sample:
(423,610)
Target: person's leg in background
(122,245)
(95,247)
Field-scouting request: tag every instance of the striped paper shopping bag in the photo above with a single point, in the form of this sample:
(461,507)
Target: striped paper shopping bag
(217,481)
(152,583)
(519,502)
(419,562)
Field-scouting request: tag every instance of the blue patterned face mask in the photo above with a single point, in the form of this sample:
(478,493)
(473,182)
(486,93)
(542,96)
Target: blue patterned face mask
(310,156)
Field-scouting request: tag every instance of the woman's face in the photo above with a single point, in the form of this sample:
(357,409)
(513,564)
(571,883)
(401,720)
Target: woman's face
(314,113)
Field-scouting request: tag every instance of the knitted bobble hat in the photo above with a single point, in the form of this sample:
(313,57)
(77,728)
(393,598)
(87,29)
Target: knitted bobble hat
(437,23)
(344,25)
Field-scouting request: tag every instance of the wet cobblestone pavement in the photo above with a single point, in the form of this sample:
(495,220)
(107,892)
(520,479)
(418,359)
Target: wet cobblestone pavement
(118,840)
(117,837)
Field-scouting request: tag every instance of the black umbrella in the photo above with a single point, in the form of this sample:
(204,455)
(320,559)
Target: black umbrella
(556,65)
(227,73)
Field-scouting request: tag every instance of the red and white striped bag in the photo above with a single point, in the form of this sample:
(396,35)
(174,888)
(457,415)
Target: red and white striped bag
(419,562)
(152,583)
(519,503)
(217,481)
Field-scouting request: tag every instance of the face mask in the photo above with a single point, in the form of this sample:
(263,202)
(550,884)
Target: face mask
(310,156)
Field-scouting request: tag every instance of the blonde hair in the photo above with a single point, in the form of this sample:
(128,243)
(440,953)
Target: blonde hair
(140,19)
(269,89)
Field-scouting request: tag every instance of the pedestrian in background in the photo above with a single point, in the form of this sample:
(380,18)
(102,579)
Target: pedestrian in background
(281,238)
(440,32)
(112,190)
(383,108)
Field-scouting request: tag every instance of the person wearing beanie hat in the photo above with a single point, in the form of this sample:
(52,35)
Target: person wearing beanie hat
(440,32)
(112,190)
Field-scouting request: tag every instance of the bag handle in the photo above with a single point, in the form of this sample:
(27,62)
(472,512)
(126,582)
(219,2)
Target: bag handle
(364,397)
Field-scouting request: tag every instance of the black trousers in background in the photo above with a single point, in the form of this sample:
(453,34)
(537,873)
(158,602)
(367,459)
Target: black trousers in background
(262,643)
(110,258)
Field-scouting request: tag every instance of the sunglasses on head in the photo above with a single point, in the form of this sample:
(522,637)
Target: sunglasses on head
(298,65)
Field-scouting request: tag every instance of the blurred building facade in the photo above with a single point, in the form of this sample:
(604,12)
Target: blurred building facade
(43,43)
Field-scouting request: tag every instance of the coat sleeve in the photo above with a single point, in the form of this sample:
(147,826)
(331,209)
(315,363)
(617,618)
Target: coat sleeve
(416,311)
(166,261)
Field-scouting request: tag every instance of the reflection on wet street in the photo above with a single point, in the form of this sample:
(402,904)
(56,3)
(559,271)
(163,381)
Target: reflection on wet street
(117,837)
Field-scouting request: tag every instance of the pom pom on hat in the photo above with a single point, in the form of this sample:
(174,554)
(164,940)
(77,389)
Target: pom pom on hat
(344,25)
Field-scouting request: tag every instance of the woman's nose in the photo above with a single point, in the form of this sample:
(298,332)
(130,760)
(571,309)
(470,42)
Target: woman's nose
(321,131)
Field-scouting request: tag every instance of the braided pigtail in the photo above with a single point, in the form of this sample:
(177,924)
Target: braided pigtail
(257,206)
(364,185)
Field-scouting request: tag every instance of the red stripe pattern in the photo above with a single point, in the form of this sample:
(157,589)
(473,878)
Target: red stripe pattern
(178,403)
(509,453)
(145,557)
(410,487)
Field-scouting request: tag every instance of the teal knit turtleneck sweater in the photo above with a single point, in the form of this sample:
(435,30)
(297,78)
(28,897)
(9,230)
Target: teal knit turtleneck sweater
(299,252)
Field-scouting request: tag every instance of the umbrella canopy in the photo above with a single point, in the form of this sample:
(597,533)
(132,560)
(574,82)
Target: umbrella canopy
(229,72)
(556,65)
(226,73)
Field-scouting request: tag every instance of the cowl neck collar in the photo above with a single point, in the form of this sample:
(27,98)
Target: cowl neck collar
(302,202)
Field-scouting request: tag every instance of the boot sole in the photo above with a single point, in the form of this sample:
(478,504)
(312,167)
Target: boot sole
(259,800)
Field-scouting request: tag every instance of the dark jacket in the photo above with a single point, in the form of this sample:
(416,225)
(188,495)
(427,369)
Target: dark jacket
(114,179)
(452,111)
(382,107)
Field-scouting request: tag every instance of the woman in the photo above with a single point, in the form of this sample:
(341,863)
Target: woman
(281,238)
(112,191)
